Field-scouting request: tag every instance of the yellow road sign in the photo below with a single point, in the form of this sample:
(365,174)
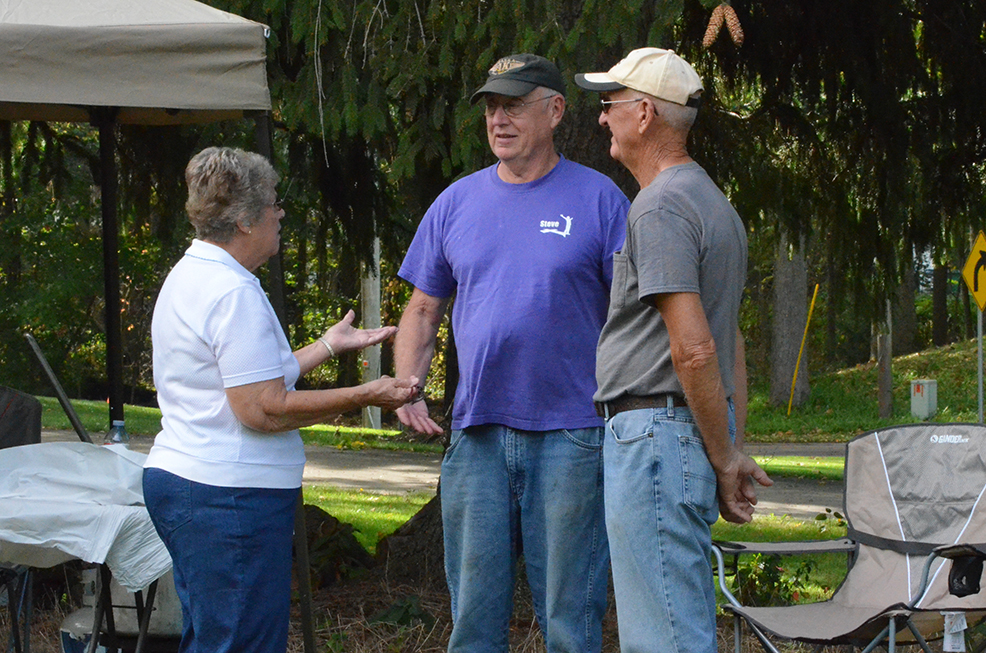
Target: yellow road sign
(974,271)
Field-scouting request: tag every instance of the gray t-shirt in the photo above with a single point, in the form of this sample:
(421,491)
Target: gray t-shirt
(683,235)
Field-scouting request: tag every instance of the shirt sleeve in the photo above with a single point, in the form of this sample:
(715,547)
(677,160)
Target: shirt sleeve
(425,265)
(668,252)
(241,330)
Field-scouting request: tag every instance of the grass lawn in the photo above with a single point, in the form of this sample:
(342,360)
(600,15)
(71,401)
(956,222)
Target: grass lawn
(821,468)
(843,403)
(373,516)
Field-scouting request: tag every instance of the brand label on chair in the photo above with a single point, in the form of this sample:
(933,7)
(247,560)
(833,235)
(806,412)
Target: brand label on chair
(955,624)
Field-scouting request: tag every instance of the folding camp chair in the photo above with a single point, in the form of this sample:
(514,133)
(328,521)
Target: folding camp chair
(912,495)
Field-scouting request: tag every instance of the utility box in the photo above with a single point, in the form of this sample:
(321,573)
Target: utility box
(924,398)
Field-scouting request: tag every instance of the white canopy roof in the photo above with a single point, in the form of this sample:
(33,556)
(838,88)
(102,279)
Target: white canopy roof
(159,61)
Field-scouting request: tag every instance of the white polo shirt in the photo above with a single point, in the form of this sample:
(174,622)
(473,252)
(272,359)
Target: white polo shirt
(213,328)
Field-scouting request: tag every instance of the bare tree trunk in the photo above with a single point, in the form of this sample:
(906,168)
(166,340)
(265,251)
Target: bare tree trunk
(968,310)
(905,314)
(832,286)
(884,376)
(790,314)
(939,306)
(415,552)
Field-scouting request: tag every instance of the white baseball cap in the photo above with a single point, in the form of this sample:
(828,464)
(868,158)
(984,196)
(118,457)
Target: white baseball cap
(654,71)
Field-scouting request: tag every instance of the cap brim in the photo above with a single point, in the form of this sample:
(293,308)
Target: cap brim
(598,82)
(508,87)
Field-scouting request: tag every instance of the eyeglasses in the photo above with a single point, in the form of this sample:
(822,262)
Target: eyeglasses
(279,202)
(513,108)
(608,103)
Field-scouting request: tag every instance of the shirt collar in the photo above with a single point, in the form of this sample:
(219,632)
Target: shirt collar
(210,252)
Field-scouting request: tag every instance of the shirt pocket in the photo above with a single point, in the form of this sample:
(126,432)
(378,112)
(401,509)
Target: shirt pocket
(618,293)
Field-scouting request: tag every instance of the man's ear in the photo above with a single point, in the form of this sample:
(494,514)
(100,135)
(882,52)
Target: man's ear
(646,114)
(557,109)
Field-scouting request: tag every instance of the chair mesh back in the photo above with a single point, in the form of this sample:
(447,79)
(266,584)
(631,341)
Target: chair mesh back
(20,418)
(908,489)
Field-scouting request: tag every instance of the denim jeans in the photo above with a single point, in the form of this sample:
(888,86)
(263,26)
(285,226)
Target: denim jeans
(231,550)
(505,492)
(660,504)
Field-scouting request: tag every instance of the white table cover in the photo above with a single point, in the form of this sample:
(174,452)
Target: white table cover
(65,500)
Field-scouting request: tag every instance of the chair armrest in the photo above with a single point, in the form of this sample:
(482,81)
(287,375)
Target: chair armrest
(843,545)
(953,551)
(963,579)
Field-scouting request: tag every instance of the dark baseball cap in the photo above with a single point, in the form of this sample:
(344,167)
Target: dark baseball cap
(519,74)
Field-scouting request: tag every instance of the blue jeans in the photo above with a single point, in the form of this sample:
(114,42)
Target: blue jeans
(506,491)
(660,504)
(231,550)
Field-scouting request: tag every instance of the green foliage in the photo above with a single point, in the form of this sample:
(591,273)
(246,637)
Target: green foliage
(762,580)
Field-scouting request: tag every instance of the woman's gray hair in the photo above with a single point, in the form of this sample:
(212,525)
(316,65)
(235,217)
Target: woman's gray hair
(227,186)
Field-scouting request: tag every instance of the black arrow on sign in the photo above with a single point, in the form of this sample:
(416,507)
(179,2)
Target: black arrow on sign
(981,263)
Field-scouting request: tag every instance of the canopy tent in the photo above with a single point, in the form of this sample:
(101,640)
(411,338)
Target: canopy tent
(108,62)
(158,62)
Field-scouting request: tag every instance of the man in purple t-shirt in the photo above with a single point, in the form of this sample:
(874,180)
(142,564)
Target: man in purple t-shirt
(526,247)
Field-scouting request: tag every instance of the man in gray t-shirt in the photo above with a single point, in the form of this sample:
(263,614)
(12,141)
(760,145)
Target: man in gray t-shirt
(670,363)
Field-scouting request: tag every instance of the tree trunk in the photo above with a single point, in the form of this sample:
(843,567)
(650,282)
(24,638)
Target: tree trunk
(790,314)
(885,397)
(415,552)
(905,314)
(968,309)
(939,306)
(831,306)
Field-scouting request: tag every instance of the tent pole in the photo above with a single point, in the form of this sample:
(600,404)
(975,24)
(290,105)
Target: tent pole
(105,120)
(265,147)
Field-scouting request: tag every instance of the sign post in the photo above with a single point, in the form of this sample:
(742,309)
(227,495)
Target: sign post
(974,274)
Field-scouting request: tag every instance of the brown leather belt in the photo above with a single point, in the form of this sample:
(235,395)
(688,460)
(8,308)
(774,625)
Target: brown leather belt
(630,402)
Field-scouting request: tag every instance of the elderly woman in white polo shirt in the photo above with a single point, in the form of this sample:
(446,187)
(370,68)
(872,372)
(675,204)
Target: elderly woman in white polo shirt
(223,476)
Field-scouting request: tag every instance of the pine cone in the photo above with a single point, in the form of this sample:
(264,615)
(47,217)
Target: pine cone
(715,24)
(733,23)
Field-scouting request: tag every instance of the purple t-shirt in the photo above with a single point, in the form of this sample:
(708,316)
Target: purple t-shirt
(530,265)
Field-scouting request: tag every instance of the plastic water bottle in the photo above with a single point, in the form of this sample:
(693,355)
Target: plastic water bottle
(117,434)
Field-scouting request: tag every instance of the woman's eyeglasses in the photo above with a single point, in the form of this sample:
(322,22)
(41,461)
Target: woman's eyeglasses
(279,202)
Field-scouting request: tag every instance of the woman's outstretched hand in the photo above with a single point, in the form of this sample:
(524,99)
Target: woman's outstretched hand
(390,393)
(343,337)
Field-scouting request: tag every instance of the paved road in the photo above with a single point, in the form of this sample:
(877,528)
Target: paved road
(398,472)
(802,499)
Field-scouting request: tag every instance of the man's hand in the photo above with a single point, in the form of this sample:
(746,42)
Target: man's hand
(415,415)
(737,493)
(343,337)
